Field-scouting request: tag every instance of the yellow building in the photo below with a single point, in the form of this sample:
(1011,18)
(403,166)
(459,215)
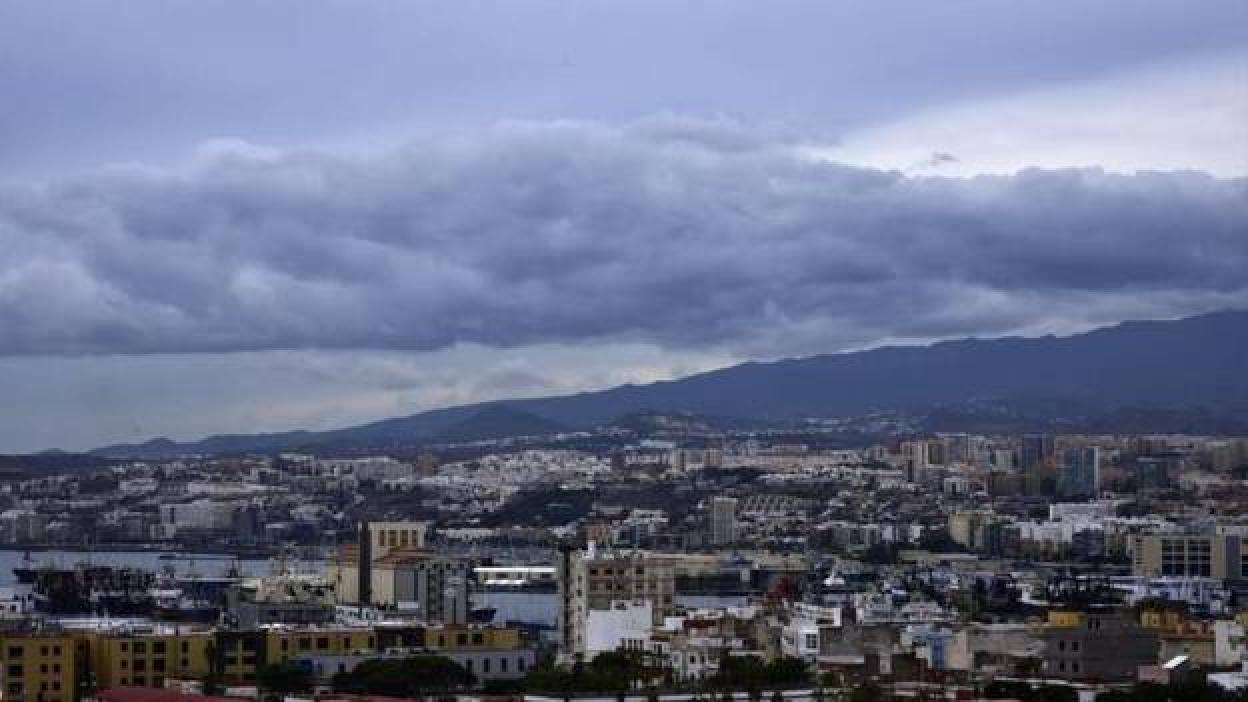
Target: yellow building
(1180,635)
(1065,618)
(39,667)
(464,638)
(284,644)
(46,667)
(147,658)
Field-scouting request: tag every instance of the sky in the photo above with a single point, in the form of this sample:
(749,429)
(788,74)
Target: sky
(239,217)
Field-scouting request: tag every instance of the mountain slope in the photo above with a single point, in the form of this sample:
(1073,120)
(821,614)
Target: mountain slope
(1194,362)
(497,422)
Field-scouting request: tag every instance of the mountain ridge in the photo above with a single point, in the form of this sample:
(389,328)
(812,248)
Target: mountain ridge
(1199,361)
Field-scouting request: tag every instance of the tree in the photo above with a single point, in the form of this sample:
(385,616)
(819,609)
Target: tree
(868,691)
(750,673)
(212,681)
(282,679)
(406,677)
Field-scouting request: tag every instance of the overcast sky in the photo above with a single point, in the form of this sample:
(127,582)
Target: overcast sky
(239,217)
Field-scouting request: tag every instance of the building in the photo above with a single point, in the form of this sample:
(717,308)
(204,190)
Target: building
(1097,645)
(146,658)
(1080,475)
(625,624)
(595,580)
(432,586)
(966,527)
(1219,556)
(375,540)
(282,645)
(1037,450)
(40,668)
(489,653)
(723,520)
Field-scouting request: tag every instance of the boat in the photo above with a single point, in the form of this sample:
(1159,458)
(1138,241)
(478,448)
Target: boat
(93,590)
(25,573)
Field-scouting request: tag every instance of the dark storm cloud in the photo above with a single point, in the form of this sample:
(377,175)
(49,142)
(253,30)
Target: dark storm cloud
(669,231)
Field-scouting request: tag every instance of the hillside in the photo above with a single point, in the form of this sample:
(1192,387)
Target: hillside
(1198,363)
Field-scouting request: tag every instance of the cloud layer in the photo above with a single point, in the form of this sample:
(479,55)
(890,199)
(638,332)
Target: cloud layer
(684,234)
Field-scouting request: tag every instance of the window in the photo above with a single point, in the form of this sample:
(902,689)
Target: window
(15,670)
(56,650)
(140,647)
(322,643)
(140,665)
(158,665)
(1074,666)
(124,646)
(158,647)
(15,651)
(462,640)
(520,664)
(140,681)
(478,639)
(485,665)
(502,664)
(186,647)
(43,651)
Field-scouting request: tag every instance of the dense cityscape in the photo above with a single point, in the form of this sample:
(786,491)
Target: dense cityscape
(667,558)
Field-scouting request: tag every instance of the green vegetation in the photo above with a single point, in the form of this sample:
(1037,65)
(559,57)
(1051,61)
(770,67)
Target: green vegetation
(622,671)
(1194,690)
(750,673)
(281,679)
(607,673)
(406,677)
(1026,693)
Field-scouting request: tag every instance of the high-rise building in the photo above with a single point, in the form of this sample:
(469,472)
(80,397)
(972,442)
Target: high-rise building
(1081,472)
(1037,449)
(596,579)
(723,520)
